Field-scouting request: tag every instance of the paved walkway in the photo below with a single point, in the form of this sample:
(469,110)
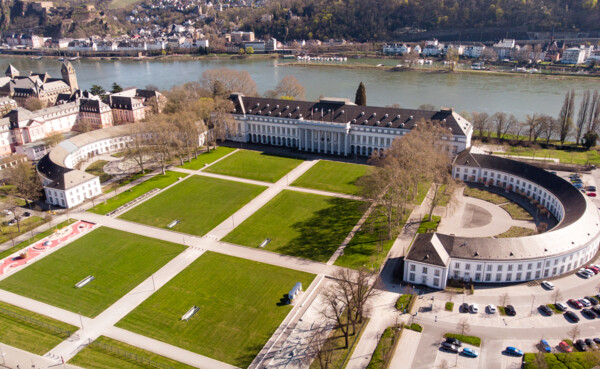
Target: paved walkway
(406,349)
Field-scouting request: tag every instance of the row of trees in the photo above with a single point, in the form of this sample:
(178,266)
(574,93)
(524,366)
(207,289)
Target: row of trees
(583,129)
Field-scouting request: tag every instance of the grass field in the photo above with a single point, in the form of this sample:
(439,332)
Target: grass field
(516,211)
(517,232)
(100,356)
(158,181)
(199,203)
(485,195)
(27,335)
(27,224)
(369,247)
(333,176)
(207,158)
(254,165)
(571,157)
(572,360)
(422,189)
(118,260)
(34,239)
(299,224)
(97,169)
(240,307)
(427,225)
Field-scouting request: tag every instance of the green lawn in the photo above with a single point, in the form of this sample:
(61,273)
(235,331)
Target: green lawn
(118,260)
(27,224)
(427,225)
(97,169)
(254,165)
(199,203)
(158,181)
(333,176)
(118,355)
(573,360)
(29,335)
(422,189)
(207,158)
(240,305)
(382,356)
(573,156)
(369,246)
(517,232)
(471,340)
(516,211)
(299,224)
(34,239)
(485,195)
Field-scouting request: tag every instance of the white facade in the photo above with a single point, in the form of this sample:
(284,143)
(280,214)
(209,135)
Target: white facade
(573,55)
(400,49)
(74,195)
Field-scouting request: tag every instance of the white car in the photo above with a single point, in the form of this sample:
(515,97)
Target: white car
(585,302)
(548,285)
(586,271)
(583,274)
(474,308)
(491,309)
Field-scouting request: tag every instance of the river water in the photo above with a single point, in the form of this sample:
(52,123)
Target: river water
(519,95)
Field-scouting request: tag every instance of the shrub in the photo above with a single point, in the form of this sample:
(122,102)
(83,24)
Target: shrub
(471,340)
(415,327)
(385,348)
(449,306)
(405,301)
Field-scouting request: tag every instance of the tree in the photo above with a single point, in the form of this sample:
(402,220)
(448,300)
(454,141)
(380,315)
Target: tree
(480,123)
(321,347)
(230,80)
(222,125)
(557,295)
(502,123)
(26,181)
(503,299)
(97,90)
(590,139)
(249,50)
(443,364)
(534,126)
(574,332)
(451,57)
(565,117)
(33,104)
(289,87)
(427,107)
(594,113)
(361,95)
(463,326)
(137,146)
(53,139)
(116,88)
(540,360)
(550,127)
(161,141)
(582,116)
(241,51)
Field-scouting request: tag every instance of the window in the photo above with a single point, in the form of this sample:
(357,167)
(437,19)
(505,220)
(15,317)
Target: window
(424,279)
(436,282)
(456,274)
(498,277)
(477,277)
(499,268)
(488,277)
(478,267)
(529,266)
(508,277)
(510,268)
(468,266)
(555,261)
(539,264)
(518,277)
(554,271)
(520,267)
(546,272)
(436,273)
(424,270)
(528,276)
(411,277)
(457,265)
(489,268)
(412,267)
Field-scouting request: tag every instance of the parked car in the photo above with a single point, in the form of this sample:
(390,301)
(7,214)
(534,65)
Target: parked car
(584,275)
(565,346)
(546,310)
(470,352)
(510,310)
(576,304)
(474,308)
(572,316)
(591,188)
(596,309)
(580,345)
(591,194)
(590,343)
(585,271)
(560,306)
(491,308)
(464,308)
(593,269)
(548,285)
(588,313)
(592,300)
(454,341)
(597,340)
(26,214)
(585,302)
(546,346)
(514,351)
(449,347)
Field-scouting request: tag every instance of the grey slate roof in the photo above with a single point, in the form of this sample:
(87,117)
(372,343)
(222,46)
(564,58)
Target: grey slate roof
(427,248)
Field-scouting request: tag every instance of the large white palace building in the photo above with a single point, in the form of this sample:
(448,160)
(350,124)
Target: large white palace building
(337,126)
(434,257)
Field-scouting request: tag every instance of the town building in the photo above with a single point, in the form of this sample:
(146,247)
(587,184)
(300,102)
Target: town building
(337,126)
(39,85)
(398,49)
(133,105)
(572,242)
(573,55)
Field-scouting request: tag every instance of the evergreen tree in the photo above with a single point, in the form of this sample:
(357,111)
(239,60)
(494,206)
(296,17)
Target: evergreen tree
(116,88)
(361,95)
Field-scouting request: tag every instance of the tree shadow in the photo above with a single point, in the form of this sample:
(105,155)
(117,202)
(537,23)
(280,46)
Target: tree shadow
(324,232)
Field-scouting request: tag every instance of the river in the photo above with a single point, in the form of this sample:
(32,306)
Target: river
(518,95)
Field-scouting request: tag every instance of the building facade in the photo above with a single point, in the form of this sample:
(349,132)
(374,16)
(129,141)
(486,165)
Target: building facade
(337,126)
(435,257)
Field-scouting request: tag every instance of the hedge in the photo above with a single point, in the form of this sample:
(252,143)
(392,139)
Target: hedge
(415,327)
(450,306)
(385,348)
(574,360)
(406,300)
(471,340)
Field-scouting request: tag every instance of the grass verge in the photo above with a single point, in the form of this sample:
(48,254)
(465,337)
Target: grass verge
(406,301)
(384,351)
(414,327)
(485,195)
(471,340)
(516,211)
(207,158)
(97,169)
(341,355)
(573,360)
(517,232)
(35,238)
(27,224)
(427,226)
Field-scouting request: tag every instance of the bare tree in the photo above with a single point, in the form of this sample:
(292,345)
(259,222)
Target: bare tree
(574,332)
(224,81)
(427,107)
(161,141)
(504,299)
(551,126)
(480,123)
(288,88)
(26,181)
(321,347)
(137,146)
(534,126)
(557,295)
(357,288)
(463,326)
(53,139)
(594,113)
(33,104)
(502,124)
(582,116)
(336,309)
(565,117)
(540,360)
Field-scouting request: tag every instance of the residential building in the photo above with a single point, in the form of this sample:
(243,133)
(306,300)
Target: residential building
(399,49)
(39,85)
(573,55)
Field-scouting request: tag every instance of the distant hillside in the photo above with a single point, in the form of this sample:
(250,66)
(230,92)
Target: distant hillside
(380,20)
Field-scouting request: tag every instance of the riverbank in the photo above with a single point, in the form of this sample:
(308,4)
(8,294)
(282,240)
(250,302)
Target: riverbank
(436,70)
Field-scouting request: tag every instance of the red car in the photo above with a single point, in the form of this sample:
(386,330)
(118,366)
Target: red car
(591,194)
(565,346)
(593,269)
(575,303)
